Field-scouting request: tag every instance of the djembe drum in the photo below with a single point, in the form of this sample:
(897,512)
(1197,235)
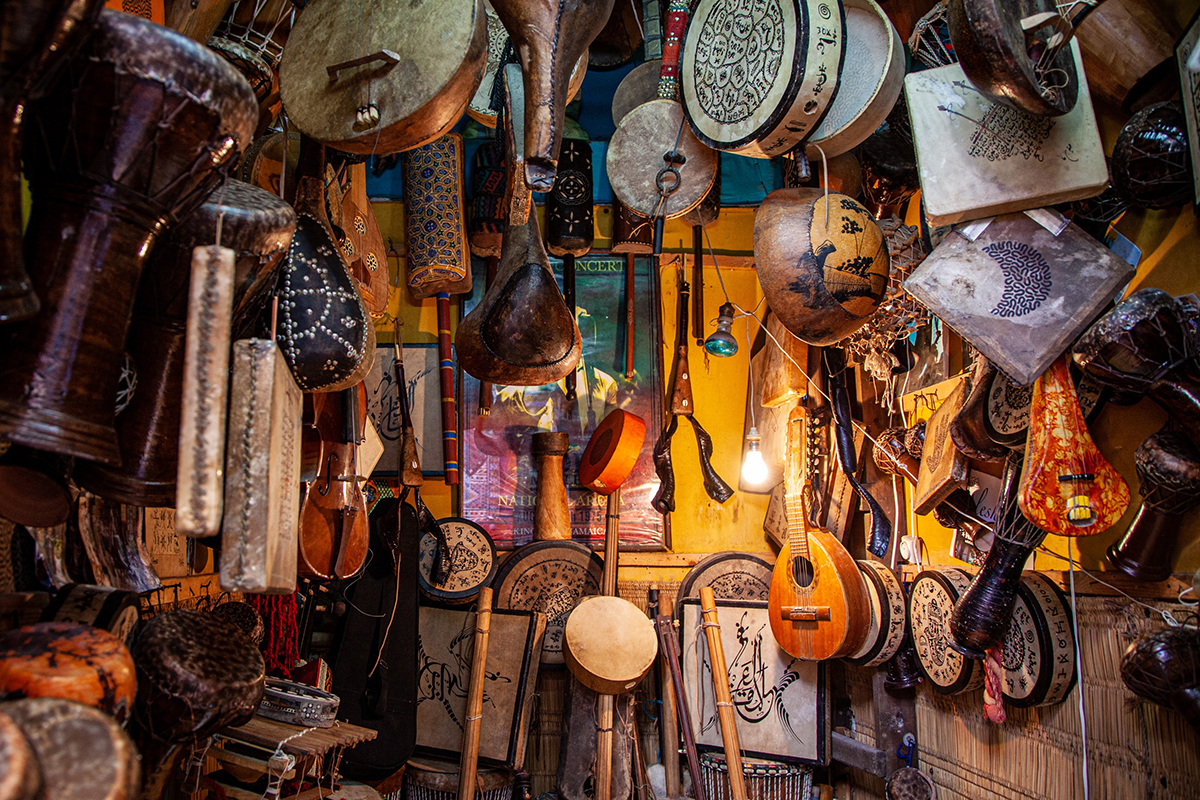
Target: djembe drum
(196,674)
(258,226)
(1164,668)
(1150,163)
(1168,468)
(251,38)
(71,662)
(245,618)
(765,780)
(35,38)
(432,779)
(1146,345)
(131,138)
(83,753)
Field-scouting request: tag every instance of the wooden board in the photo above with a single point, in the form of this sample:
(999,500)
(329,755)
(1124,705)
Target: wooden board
(1019,293)
(781,703)
(977,158)
(168,551)
(943,468)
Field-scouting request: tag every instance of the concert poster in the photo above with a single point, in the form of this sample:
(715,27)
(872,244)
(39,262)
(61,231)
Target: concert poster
(499,472)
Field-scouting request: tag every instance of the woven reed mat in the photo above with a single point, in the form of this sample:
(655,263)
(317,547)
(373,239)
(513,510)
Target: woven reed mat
(1136,750)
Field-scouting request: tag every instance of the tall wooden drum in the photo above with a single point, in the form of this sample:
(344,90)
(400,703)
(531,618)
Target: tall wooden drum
(132,137)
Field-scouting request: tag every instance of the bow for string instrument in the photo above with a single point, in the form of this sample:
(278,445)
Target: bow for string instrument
(818,601)
(333,520)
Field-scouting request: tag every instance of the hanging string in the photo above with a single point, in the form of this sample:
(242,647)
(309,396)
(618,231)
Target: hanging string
(1078,668)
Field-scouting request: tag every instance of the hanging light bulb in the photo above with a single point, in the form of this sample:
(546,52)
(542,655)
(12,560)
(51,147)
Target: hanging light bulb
(720,342)
(754,469)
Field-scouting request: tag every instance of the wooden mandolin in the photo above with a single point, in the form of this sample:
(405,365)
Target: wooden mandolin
(818,601)
(1067,486)
(334,533)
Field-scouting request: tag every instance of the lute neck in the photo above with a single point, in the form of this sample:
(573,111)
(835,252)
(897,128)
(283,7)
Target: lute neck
(612,525)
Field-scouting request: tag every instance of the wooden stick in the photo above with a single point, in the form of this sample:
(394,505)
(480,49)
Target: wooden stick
(569,298)
(604,746)
(468,765)
(720,678)
(446,369)
(668,645)
(630,316)
(669,720)
(698,284)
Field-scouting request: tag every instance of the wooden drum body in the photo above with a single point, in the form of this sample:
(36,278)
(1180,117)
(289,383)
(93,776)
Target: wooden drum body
(133,136)
(763,100)
(423,64)
(35,38)
(609,644)
(258,226)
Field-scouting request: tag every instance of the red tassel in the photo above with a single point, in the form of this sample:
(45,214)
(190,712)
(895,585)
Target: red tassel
(993,688)
(281,649)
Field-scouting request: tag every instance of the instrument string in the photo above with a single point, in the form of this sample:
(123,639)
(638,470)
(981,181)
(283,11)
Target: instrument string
(1079,671)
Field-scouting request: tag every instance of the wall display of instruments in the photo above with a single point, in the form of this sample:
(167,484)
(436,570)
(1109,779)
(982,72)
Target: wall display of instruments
(424,403)
(498,469)
(444,664)
(782,703)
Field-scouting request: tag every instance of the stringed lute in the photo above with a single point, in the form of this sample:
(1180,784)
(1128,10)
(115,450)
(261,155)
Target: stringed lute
(818,601)
(1067,487)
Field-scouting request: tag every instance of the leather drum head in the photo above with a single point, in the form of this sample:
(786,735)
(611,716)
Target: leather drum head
(442,50)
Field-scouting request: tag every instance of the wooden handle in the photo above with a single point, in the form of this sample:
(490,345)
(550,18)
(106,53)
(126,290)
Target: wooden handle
(668,81)
(630,316)
(552,511)
(446,370)
(612,546)
(471,726)
(698,283)
(720,677)
(604,747)
(681,394)
(569,299)
(669,726)
(410,460)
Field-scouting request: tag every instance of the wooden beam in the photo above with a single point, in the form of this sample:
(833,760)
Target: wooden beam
(858,755)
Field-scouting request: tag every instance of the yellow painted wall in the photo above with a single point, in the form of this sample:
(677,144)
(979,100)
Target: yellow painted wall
(699,524)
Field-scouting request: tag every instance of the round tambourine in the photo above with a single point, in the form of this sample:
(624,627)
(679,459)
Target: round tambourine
(732,576)
(1039,648)
(887,615)
(472,561)
(932,598)
(115,610)
(755,81)
(550,577)
(298,704)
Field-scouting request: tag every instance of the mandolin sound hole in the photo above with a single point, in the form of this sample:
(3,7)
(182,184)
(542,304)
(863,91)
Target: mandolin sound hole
(802,571)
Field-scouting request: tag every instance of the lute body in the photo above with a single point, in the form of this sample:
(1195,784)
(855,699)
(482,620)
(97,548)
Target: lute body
(818,601)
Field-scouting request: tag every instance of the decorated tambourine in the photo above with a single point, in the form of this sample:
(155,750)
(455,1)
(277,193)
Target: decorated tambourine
(1039,648)
(931,600)
(472,560)
(887,615)
(550,577)
(298,704)
(732,576)
(114,610)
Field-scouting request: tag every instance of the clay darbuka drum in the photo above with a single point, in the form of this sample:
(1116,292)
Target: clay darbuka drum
(84,754)
(71,662)
(132,137)
(442,49)
(823,263)
(755,79)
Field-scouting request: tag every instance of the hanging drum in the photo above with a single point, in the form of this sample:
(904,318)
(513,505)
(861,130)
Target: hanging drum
(30,52)
(756,81)
(472,561)
(258,226)
(1039,648)
(931,599)
(131,138)
(382,76)
(731,575)
(251,37)
(550,577)
(888,615)
(822,261)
